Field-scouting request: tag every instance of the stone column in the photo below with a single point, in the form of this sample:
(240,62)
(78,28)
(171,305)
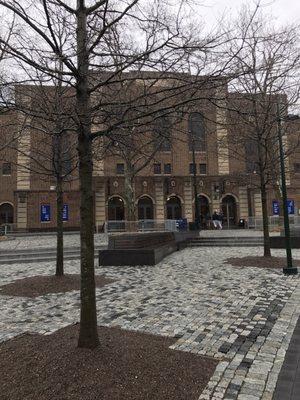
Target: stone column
(222,134)
(23,172)
(100,205)
(159,200)
(257,205)
(243,202)
(188,200)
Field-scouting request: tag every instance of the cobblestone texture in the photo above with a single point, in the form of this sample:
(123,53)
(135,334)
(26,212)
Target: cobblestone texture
(244,317)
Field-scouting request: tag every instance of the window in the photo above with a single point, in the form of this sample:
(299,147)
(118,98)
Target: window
(6,169)
(297,168)
(202,169)
(193,168)
(162,132)
(197,137)
(157,169)
(120,169)
(167,169)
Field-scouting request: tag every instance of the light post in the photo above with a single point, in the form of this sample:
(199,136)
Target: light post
(289,269)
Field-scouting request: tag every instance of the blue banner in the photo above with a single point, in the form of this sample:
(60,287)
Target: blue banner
(291,206)
(275,207)
(66,212)
(45,213)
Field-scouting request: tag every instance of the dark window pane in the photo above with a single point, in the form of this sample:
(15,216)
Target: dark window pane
(167,169)
(202,169)
(6,169)
(162,132)
(193,168)
(197,137)
(120,169)
(157,169)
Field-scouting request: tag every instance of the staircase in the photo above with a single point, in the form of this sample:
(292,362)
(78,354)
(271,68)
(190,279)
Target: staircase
(41,255)
(234,241)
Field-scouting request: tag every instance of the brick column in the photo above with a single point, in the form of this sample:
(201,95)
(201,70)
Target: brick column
(159,200)
(243,202)
(188,200)
(257,205)
(100,205)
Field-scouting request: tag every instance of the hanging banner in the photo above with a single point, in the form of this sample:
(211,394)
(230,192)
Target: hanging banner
(291,207)
(66,212)
(45,212)
(275,207)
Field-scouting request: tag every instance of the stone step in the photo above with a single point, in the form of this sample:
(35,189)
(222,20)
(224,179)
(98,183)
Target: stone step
(43,256)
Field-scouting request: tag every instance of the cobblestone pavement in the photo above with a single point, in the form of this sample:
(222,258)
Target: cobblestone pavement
(244,317)
(45,241)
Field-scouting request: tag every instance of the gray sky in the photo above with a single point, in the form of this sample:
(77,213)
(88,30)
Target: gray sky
(284,11)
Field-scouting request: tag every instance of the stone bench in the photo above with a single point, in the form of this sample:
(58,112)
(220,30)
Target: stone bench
(147,248)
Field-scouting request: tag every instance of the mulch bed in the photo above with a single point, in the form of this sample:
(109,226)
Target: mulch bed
(260,262)
(126,365)
(40,285)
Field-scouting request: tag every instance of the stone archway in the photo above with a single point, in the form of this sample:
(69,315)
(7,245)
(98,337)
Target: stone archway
(116,209)
(229,210)
(6,213)
(145,208)
(174,208)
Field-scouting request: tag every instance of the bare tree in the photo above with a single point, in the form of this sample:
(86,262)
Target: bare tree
(268,68)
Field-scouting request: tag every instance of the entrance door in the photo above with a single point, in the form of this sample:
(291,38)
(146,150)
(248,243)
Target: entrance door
(6,214)
(116,210)
(204,210)
(229,210)
(145,208)
(174,210)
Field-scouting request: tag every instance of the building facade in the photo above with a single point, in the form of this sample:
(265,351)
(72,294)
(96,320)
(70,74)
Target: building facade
(196,151)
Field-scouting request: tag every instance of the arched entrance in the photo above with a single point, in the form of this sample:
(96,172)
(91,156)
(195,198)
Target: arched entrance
(116,210)
(145,208)
(203,205)
(229,210)
(174,210)
(6,213)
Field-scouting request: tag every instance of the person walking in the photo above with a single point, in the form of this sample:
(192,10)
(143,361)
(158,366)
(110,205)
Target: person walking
(215,219)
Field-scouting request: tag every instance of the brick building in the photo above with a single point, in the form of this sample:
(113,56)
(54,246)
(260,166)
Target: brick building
(163,189)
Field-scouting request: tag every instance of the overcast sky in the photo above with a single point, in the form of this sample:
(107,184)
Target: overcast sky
(283,10)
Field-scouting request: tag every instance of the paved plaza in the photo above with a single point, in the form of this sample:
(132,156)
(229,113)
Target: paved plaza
(244,317)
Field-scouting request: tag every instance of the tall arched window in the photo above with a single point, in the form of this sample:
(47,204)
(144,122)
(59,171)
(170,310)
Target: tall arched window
(197,137)
(162,132)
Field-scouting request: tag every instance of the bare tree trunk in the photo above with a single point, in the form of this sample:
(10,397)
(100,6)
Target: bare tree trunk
(88,335)
(264,204)
(59,228)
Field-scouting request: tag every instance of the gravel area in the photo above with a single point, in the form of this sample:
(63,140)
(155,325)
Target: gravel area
(35,286)
(242,317)
(126,365)
(260,262)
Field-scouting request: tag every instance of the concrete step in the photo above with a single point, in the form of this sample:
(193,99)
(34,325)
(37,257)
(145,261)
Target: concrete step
(222,244)
(36,256)
(226,241)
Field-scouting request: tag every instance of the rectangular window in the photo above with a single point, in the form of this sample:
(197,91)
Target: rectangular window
(6,169)
(167,169)
(157,169)
(202,169)
(297,168)
(193,168)
(120,169)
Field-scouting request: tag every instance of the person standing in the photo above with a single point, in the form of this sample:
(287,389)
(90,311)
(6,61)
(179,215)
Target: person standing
(215,219)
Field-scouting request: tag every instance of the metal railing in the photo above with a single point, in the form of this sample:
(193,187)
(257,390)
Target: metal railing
(275,222)
(146,225)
